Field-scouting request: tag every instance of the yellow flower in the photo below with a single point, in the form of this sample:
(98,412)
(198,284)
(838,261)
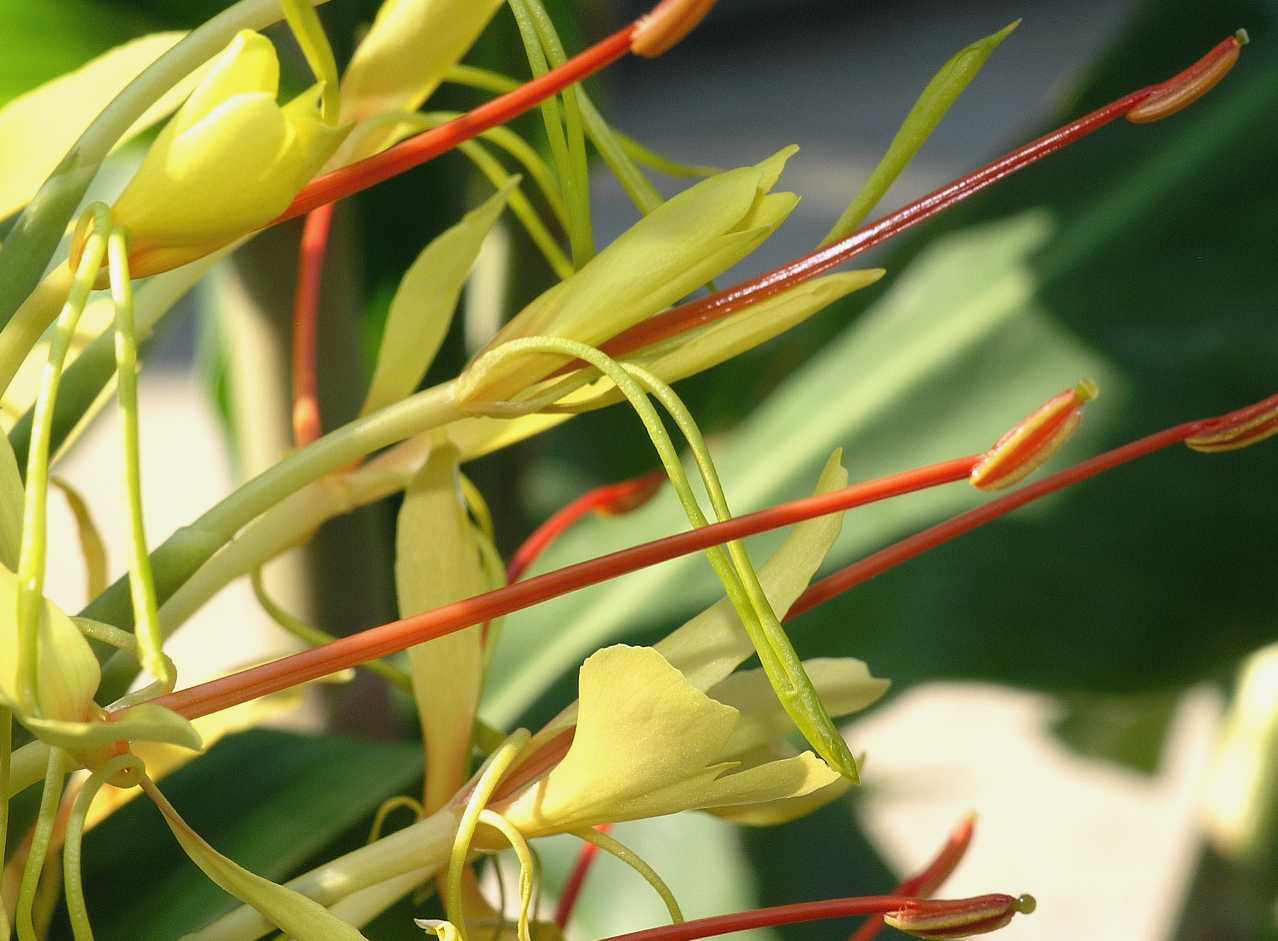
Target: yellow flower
(229,161)
(649,743)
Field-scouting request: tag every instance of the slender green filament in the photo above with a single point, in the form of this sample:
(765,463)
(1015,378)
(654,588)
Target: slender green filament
(527,865)
(40,838)
(34,551)
(632,859)
(141,581)
(77,911)
(489,777)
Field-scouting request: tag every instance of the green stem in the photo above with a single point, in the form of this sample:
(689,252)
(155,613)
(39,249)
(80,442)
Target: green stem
(31,558)
(576,198)
(632,859)
(183,553)
(141,580)
(40,837)
(20,335)
(77,911)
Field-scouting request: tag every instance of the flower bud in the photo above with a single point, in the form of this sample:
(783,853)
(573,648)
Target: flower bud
(229,161)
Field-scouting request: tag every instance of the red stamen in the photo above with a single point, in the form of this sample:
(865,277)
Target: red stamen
(1239,429)
(730,300)
(417,150)
(1033,440)
(379,641)
(310,272)
(398,635)
(608,500)
(926,883)
(964,523)
(807,911)
(1178,93)
(572,889)
(667,25)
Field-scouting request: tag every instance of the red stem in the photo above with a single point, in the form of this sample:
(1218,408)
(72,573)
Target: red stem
(730,300)
(417,150)
(964,523)
(398,635)
(779,915)
(930,879)
(609,500)
(572,889)
(310,272)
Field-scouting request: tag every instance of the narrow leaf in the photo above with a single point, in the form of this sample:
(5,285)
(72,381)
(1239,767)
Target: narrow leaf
(423,306)
(940,93)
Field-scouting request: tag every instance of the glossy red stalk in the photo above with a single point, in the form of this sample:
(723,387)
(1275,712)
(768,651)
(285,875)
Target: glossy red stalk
(926,883)
(721,304)
(608,500)
(805,911)
(398,635)
(349,180)
(964,523)
(306,299)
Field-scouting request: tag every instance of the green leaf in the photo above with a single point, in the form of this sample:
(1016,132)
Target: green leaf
(940,94)
(296,797)
(423,307)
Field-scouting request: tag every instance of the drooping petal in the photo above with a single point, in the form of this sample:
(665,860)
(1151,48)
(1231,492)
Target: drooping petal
(773,813)
(648,743)
(672,251)
(67,672)
(423,306)
(437,560)
(406,54)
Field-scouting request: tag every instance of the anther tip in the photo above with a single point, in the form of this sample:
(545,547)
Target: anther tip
(1242,36)
(1025,904)
(666,26)
(1087,390)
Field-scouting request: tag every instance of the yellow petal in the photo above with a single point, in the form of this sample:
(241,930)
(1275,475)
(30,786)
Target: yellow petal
(38,128)
(247,65)
(437,560)
(406,54)
(647,744)
(676,248)
(785,809)
(717,342)
(145,722)
(68,673)
(844,685)
(229,162)
(423,306)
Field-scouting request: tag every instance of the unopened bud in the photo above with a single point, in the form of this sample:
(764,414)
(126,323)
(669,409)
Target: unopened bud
(962,918)
(1027,446)
(1238,429)
(664,28)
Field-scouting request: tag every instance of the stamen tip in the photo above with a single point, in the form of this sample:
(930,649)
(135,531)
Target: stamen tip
(1242,36)
(665,27)
(1026,904)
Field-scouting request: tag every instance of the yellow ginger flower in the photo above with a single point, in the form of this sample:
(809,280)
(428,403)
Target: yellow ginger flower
(229,161)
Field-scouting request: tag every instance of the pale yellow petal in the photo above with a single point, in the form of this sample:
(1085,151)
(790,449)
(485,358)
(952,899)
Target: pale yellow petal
(248,65)
(676,248)
(785,809)
(146,722)
(423,306)
(38,128)
(406,54)
(437,560)
(68,672)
